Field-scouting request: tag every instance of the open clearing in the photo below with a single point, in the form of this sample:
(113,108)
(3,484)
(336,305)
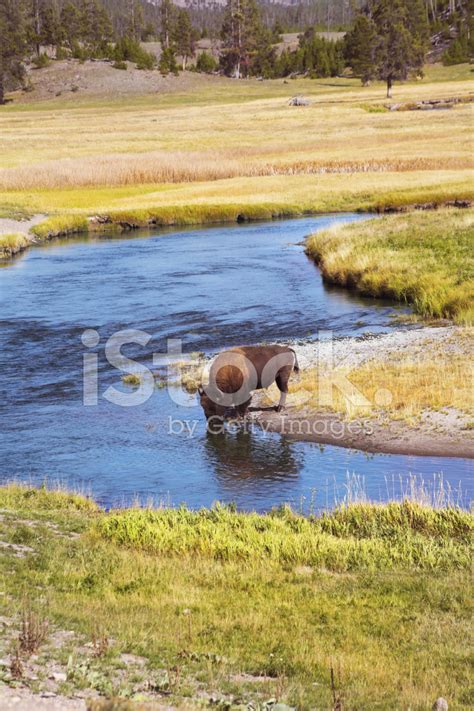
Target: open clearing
(206,143)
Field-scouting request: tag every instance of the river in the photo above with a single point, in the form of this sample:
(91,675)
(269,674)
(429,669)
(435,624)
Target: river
(212,287)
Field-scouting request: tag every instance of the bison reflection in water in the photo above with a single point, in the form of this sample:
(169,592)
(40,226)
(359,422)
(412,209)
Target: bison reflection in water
(237,372)
(238,456)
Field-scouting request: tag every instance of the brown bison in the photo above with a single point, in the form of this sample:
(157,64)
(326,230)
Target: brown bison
(237,372)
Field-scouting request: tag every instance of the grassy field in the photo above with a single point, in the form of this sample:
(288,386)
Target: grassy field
(423,259)
(236,148)
(230,608)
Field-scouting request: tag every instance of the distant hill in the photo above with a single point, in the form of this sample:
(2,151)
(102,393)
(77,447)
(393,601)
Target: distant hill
(293,15)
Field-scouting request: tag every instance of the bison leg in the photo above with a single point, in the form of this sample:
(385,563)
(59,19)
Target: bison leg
(282,383)
(243,407)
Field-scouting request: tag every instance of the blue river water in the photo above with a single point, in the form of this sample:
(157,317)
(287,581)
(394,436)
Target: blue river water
(212,287)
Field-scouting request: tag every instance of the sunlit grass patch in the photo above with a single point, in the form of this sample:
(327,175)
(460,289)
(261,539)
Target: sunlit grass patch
(60,225)
(424,259)
(12,244)
(24,497)
(402,386)
(189,147)
(290,539)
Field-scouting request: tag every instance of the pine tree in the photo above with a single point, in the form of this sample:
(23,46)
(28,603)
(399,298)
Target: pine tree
(184,36)
(135,20)
(246,44)
(401,39)
(392,39)
(167,20)
(51,31)
(36,8)
(232,35)
(13,41)
(167,63)
(70,23)
(359,48)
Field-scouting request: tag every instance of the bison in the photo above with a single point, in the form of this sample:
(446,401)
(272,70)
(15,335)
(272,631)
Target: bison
(237,372)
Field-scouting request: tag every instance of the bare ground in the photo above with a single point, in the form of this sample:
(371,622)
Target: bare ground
(11,226)
(98,79)
(435,434)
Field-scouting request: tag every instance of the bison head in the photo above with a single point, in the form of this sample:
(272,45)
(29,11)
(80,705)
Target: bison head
(209,405)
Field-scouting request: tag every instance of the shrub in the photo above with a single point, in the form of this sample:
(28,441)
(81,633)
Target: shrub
(167,62)
(455,54)
(128,49)
(206,63)
(147,61)
(61,53)
(78,52)
(120,65)
(42,60)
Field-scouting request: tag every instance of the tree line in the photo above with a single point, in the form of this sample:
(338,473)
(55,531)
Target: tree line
(387,39)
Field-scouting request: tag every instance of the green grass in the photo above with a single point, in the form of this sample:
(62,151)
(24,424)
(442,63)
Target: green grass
(424,259)
(357,538)
(23,498)
(212,595)
(12,244)
(60,225)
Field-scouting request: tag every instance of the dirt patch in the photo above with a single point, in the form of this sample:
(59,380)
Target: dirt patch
(25,700)
(374,435)
(10,226)
(99,79)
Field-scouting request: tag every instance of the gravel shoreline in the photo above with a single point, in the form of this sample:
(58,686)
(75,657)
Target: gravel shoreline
(446,433)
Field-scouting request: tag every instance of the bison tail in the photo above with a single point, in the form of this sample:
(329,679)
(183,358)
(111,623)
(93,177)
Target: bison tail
(296,366)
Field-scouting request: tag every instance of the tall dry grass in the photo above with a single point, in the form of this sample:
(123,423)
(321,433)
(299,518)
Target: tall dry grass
(183,167)
(400,387)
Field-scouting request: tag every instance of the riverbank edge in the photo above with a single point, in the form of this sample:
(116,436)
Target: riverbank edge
(65,225)
(110,600)
(373,437)
(379,434)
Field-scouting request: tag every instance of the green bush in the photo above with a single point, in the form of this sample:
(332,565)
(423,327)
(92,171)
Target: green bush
(41,61)
(120,65)
(78,52)
(206,63)
(128,49)
(61,53)
(167,63)
(457,53)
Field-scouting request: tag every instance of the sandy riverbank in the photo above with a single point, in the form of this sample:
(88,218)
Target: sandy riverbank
(444,431)
(10,226)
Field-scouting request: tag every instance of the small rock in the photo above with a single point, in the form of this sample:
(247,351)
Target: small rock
(58,676)
(48,694)
(440,704)
(298,101)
